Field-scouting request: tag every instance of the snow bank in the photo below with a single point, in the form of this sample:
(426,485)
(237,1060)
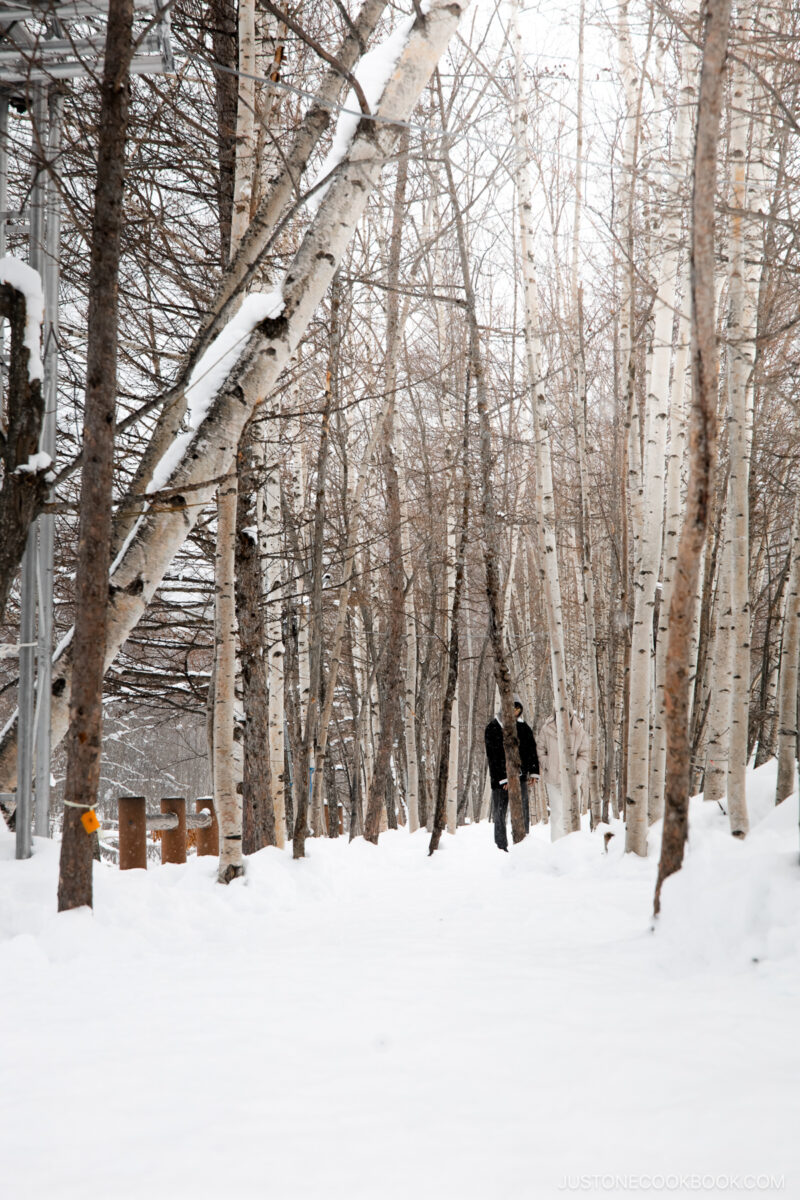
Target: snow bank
(737,902)
(27,281)
(371,1023)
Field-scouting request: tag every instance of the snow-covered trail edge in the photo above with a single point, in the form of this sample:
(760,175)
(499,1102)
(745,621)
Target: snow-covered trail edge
(374,1023)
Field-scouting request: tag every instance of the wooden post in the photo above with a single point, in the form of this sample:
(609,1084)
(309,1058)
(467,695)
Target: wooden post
(207,839)
(132,833)
(173,841)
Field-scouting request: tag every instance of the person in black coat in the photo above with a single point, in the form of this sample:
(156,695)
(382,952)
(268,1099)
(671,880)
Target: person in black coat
(496,757)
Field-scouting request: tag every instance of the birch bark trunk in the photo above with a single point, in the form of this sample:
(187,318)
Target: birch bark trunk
(311,758)
(229,800)
(748,196)
(270,529)
(672,523)
(410,682)
(272,525)
(586,577)
(703,440)
(453,548)
(443,818)
(227,794)
(571,819)
(788,676)
(718,737)
(258,817)
(645,801)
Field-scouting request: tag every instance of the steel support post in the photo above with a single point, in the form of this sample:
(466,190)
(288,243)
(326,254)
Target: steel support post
(25,700)
(46,523)
(27,657)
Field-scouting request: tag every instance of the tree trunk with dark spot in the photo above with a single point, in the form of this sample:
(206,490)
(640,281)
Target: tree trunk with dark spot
(258,817)
(94,528)
(702,443)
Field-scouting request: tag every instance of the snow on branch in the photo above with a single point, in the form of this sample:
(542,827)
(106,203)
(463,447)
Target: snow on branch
(373,72)
(28,283)
(211,372)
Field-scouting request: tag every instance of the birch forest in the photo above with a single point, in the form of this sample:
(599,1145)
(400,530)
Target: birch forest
(400,598)
(418,327)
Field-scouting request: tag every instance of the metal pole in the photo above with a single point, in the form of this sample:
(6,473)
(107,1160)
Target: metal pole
(47,443)
(28,597)
(25,703)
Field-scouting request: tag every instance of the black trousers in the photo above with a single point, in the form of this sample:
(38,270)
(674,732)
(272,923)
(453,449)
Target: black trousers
(500,810)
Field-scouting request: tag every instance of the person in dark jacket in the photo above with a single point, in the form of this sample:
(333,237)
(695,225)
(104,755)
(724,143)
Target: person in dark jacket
(496,756)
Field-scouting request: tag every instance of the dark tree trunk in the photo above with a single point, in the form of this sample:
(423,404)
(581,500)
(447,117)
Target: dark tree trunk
(440,813)
(767,727)
(258,817)
(702,442)
(94,529)
(423,800)
(23,492)
(222,17)
(294,741)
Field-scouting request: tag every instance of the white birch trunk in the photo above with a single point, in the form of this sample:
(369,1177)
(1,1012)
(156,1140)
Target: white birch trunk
(740,364)
(644,806)
(717,723)
(673,514)
(227,792)
(544,475)
(276,650)
(787,685)
(227,796)
(452,766)
(303,647)
(748,195)
(627,66)
(410,687)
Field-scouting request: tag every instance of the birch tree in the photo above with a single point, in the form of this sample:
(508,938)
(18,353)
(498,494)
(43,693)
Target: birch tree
(644,789)
(788,677)
(702,438)
(569,820)
(748,197)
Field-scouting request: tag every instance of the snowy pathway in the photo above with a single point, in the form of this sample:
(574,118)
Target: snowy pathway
(370,1023)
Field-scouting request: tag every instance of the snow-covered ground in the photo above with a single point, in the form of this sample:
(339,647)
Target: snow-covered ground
(371,1023)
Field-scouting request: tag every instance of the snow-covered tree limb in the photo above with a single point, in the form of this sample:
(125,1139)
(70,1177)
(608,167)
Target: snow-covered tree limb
(208,450)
